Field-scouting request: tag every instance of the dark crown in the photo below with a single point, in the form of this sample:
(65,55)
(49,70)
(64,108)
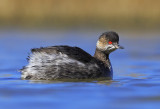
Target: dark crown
(111,36)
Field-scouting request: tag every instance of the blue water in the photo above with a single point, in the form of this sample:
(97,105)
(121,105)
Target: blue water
(136,82)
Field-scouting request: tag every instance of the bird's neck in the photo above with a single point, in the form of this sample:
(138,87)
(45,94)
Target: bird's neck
(103,57)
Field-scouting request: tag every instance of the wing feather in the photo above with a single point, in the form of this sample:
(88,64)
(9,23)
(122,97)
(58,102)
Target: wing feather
(72,52)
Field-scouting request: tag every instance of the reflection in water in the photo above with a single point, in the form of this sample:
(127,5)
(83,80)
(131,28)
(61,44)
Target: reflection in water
(135,84)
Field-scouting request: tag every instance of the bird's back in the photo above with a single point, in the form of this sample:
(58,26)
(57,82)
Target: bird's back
(61,62)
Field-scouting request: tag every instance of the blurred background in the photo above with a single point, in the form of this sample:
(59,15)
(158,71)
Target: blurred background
(26,24)
(117,14)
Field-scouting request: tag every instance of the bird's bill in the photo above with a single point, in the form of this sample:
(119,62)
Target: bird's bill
(119,47)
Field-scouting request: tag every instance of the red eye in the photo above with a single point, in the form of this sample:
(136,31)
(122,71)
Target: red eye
(110,42)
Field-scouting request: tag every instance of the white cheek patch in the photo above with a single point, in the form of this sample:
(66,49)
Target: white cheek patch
(100,46)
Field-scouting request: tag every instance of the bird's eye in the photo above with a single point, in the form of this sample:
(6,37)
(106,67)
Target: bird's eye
(109,42)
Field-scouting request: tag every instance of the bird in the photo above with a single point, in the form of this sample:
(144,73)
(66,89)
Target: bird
(67,62)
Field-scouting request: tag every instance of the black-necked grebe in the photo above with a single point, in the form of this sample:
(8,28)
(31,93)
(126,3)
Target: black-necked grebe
(65,62)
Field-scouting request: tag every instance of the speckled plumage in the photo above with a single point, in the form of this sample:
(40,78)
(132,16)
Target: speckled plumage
(65,62)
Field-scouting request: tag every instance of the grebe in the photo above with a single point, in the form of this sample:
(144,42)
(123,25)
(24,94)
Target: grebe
(65,62)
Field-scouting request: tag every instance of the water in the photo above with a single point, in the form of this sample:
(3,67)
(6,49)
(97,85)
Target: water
(136,82)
